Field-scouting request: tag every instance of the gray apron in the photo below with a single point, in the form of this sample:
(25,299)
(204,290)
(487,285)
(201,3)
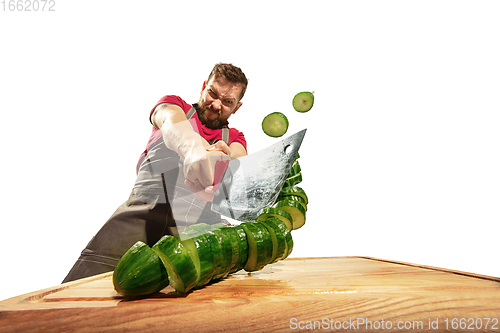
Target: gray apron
(160,204)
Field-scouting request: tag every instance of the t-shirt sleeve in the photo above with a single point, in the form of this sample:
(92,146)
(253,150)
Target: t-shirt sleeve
(237,136)
(171,99)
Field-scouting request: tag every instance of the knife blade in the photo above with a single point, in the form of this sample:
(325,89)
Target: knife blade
(253,182)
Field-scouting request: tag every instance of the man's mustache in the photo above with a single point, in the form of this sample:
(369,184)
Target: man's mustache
(211,109)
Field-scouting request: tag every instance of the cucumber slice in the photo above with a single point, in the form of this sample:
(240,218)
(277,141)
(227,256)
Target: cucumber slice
(178,263)
(279,213)
(199,249)
(260,246)
(296,210)
(289,243)
(219,259)
(206,259)
(294,190)
(139,272)
(286,234)
(242,259)
(217,226)
(235,243)
(275,124)
(295,169)
(303,101)
(297,198)
(294,180)
(200,228)
(227,252)
(278,238)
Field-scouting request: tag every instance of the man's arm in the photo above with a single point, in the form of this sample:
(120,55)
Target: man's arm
(178,133)
(237,150)
(179,136)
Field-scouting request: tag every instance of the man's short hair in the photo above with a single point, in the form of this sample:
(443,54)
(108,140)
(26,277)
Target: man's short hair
(232,74)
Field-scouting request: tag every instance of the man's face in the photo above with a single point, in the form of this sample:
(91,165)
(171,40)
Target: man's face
(218,101)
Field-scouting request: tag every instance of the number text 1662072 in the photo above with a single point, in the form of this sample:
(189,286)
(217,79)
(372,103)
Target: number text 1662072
(28,6)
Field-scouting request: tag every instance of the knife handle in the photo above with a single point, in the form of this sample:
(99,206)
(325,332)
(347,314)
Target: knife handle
(219,170)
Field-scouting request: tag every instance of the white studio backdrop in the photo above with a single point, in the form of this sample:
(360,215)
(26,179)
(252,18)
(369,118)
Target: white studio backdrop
(400,160)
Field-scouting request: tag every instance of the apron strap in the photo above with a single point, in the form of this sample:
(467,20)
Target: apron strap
(190,113)
(225,135)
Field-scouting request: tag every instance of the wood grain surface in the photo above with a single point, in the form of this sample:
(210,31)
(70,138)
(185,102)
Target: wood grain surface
(299,294)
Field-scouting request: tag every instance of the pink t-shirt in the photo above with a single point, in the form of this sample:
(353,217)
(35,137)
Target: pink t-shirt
(208,134)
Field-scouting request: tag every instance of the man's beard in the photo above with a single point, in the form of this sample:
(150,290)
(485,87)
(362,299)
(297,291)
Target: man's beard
(217,123)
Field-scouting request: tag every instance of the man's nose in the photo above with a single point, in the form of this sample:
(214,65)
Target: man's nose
(217,104)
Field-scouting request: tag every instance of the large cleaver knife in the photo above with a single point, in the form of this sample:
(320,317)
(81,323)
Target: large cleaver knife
(253,182)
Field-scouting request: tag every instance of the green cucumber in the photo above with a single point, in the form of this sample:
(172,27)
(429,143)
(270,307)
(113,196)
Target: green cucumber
(243,241)
(139,272)
(295,209)
(235,243)
(297,198)
(303,101)
(295,169)
(200,228)
(217,226)
(200,251)
(178,263)
(279,213)
(260,246)
(294,190)
(289,243)
(278,238)
(217,255)
(227,252)
(275,124)
(287,234)
(293,180)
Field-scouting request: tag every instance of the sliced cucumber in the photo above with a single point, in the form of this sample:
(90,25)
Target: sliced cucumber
(275,124)
(140,272)
(178,263)
(218,255)
(227,251)
(279,213)
(295,209)
(294,180)
(295,169)
(235,243)
(297,198)
(242,260)
(278,238)
(200,228)
(303,101)
(289,243)
(199,249)
(294,190)
(260,246)
(286,234)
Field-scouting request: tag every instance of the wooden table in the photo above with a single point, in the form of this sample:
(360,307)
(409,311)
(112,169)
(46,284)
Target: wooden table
(328,294)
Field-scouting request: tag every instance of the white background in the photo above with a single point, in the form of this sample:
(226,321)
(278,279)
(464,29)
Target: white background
(401,156)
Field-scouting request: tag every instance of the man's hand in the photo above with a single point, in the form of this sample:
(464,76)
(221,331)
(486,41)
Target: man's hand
(199,170)
(235,150)
(199,156)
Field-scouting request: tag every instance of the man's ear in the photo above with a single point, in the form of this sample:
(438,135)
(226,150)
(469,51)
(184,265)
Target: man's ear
(237,107)
(203,87)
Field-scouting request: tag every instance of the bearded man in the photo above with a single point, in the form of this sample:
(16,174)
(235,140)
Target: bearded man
(175,173)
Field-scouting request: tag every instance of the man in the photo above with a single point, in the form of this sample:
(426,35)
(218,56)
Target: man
(174,185)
